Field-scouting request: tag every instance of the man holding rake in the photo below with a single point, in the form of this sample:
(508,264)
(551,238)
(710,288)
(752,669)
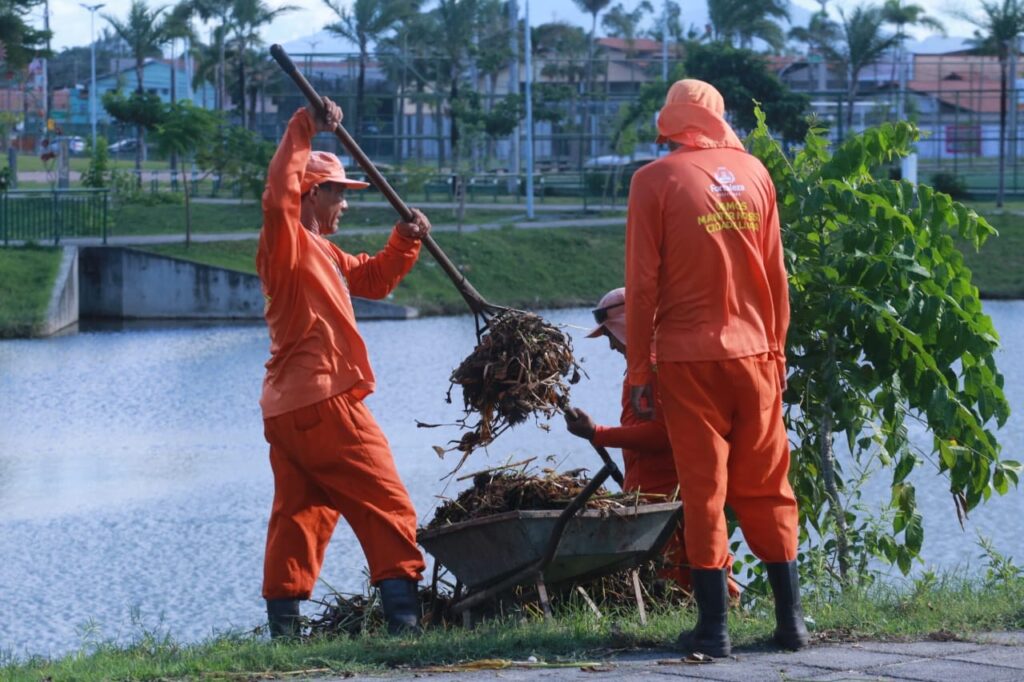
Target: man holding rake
(328,454)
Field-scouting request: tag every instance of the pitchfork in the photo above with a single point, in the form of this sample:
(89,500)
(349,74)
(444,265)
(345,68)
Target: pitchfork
(482,310)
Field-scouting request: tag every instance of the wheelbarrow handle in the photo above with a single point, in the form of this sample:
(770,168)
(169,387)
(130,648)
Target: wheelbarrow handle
(609,463)
(554,540)
(472,297)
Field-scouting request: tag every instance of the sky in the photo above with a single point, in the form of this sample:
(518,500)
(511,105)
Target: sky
(70,22)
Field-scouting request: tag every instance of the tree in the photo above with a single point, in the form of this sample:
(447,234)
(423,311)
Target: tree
(901,15)
(410,49)
(886,329)
(250,16)
(820,34)
(177,26)
(565,52)
(455,21)
(221,10)
(364,23)
(183,130)
(740,22)
(144,33)
(744,78)
(999,26)
(593,8)
(862,43)
(626,24)
(19,41)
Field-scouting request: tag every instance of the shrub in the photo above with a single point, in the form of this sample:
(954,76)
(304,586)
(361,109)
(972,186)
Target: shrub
(949,183)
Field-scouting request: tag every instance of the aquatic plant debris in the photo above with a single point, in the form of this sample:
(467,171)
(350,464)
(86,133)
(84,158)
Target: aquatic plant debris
(497,491)
(522,366)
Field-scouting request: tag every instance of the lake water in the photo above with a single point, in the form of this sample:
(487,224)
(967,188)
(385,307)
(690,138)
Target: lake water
(135,486)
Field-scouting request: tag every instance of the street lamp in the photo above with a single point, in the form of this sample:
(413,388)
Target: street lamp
(92,86)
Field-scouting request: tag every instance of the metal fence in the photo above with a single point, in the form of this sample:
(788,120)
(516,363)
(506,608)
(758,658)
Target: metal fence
(405,123)
(52,215)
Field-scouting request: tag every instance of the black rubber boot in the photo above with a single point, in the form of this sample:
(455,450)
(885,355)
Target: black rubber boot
(711,635)
(283,618)
(790,629)
(401,602)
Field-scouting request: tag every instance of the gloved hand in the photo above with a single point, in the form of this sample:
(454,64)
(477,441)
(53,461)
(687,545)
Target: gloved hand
(579,423)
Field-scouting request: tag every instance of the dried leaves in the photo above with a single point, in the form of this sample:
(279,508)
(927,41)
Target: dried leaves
(494,492)
(519,368)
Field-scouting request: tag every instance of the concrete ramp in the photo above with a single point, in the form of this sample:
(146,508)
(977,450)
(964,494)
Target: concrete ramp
(124,283)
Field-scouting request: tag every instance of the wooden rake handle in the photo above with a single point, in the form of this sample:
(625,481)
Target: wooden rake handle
(472,297)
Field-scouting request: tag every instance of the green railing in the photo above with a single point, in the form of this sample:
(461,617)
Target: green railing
(52,215)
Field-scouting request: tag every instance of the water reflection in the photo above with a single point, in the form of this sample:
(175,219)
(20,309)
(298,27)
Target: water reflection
(135,487)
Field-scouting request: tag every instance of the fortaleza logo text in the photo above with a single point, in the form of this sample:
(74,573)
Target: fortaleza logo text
(726,182)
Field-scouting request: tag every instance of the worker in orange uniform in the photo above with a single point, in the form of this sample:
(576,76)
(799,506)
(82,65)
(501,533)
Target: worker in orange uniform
(707,295)
(328,454)
(649,467)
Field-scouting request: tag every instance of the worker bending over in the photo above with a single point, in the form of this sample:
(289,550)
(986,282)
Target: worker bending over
(649,467)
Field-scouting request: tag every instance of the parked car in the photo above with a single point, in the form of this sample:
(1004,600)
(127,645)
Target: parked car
(126,145)
(76,144)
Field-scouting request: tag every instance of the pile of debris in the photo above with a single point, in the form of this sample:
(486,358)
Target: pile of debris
(502,490)
(520,368)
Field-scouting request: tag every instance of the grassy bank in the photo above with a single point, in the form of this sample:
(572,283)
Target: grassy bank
(998,268)
(531,268)
(527,268)
(26,278)
(940,609)
(144,218)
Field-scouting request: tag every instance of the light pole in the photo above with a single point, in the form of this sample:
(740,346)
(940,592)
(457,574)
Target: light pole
(92,85)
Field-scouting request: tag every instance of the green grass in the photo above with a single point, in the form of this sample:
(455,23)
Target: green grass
(32,163)
(169,218)
(998,267)
(533,268)
(26,278)
(940,608)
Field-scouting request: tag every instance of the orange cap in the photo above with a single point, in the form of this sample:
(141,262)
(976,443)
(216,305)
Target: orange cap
(325,167)
(694,116)
(612,308)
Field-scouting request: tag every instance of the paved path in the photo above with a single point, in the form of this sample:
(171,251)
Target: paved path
(992,657)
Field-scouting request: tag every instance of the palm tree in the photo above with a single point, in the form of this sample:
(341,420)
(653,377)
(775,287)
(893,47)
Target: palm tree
(410,48)
(740,22)
(455,20)
(999,26)
(144,33)
(622,24)
(220,10)
(901,16)
(207,66)
(564,51)
(862,43)
(249,16)
(593,8)
(820,34)
(177,26)
(364,23)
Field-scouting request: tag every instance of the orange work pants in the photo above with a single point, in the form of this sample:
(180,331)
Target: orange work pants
(331,458)
(724,421)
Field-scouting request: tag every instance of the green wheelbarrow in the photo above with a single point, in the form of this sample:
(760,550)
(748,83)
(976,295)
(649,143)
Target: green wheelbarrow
(495,553)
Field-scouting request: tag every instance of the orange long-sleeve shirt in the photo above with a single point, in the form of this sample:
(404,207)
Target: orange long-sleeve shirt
(705,278)
(646,451)
(316,350)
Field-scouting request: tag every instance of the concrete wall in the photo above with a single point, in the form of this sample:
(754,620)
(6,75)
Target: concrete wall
(62,310)
(128,284)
